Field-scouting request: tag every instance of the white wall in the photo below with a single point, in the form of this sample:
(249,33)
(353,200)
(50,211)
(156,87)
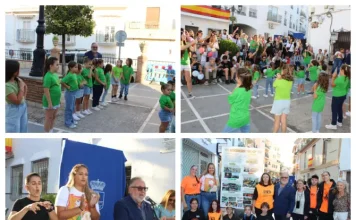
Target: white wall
(345,155)
(210,147)
(340,19)
(203,22)
(28,150)
(157,169)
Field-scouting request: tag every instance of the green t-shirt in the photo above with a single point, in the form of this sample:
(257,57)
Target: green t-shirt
(319,102)
(283,89)
(253,45)
(173,96)
(270,73)
(71,80)
(307,58)
(52,82)
(185,59)
(80,80)
(127,73)
(276,71)
(301,74)
(100,73)
(85,74)
(165,101)
(256,76)
(313,73)
(108,79)
(239,100)
(341,88)
(117,72)
(12,87)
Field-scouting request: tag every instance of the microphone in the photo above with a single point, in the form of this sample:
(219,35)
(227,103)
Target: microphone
(150,200)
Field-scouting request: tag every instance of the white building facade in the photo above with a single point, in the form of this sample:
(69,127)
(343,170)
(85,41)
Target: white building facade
(153,25)
(270,20)
(314,156)
(334,24)
(151,159)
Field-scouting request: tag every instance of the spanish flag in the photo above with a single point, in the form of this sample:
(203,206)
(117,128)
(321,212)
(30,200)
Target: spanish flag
(310,162)
(206,11)
(8,145)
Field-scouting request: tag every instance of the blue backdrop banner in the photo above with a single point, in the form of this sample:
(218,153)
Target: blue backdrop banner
(106,172)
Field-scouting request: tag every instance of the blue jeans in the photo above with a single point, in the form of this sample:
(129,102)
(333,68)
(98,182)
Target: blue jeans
(124,87)
(316,121)
(206,200)
(255,89)
(243,129)
(16,118)
(336,65)
(269,82)
(69,109)
(189,197)
(172,126)
(104,95)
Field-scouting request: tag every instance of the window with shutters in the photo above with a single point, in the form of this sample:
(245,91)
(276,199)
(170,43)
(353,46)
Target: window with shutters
(41,167)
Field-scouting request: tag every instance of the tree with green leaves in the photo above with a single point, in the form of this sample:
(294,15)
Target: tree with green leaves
(69,20)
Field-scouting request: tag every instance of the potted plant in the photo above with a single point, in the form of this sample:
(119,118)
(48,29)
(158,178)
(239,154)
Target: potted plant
(55,40)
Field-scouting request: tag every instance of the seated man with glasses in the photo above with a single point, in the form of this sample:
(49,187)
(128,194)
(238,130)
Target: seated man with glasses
(133,206)
(93,53)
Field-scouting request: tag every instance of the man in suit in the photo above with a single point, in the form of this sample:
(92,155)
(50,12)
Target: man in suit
(133,206)
(284,198)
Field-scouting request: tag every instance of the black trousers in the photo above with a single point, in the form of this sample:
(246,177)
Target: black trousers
(281,217)
(313,216)
(336,109)
(297,216)
(97,91)
(259,212)
(326,216)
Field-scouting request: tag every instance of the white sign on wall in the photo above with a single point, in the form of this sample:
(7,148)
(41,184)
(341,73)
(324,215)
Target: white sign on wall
(242,169)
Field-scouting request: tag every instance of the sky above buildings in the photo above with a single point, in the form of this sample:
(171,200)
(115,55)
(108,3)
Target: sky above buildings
(285,147)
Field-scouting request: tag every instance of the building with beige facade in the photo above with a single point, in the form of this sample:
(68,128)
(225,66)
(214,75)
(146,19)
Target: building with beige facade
(313,156)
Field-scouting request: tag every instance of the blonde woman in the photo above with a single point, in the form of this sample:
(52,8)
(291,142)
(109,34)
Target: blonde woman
(75,199)
(166,209)
(208,187)
(341,203)
(185,49)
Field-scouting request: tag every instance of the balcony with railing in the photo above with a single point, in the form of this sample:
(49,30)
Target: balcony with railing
(105,38)
(69,40)
(150,30)
(302,14)
(243,11)
(275,18)
(290,25)
(25,35)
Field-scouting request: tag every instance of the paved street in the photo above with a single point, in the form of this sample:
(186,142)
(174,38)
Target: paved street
(209,111)
(137,115)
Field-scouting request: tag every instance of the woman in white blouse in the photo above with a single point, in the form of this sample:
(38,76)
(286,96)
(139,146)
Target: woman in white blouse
(302,202)
(209,185)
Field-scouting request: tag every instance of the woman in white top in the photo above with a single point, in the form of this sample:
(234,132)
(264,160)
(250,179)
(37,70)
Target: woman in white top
(302,202)
(213,45)
(209,185)
(291,47)
(76,200)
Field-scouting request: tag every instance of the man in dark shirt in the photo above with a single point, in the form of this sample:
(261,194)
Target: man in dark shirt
(93,53)
(226,65)
(133,206)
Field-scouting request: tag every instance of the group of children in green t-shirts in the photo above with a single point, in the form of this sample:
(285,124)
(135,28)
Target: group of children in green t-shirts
(80,82)
(240,99)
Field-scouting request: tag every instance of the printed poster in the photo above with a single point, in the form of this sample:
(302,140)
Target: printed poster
(242,170)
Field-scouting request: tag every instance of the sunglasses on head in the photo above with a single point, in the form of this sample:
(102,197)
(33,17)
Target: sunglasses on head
(172,200)
(140,188)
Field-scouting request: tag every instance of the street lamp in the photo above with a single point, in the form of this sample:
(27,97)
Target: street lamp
(233,9)
(39,53)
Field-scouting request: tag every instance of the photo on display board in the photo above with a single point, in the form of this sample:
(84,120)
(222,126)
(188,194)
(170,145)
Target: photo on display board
(273,59)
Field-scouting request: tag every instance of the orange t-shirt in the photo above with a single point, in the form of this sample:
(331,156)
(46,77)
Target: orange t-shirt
(313,196)
(325,203)
(214,216)
(190,185)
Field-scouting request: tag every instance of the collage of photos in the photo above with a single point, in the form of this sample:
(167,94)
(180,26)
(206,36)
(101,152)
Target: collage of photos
(97,127)
(54,183)
(118,75)
(299,179)
(266,68)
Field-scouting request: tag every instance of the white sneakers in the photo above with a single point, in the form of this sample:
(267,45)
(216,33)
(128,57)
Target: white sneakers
(348,114)
(104,104)
(333,127)
(265,95)
(100,106)
(253,97)
(79,115)
(75,117)
(96,108)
